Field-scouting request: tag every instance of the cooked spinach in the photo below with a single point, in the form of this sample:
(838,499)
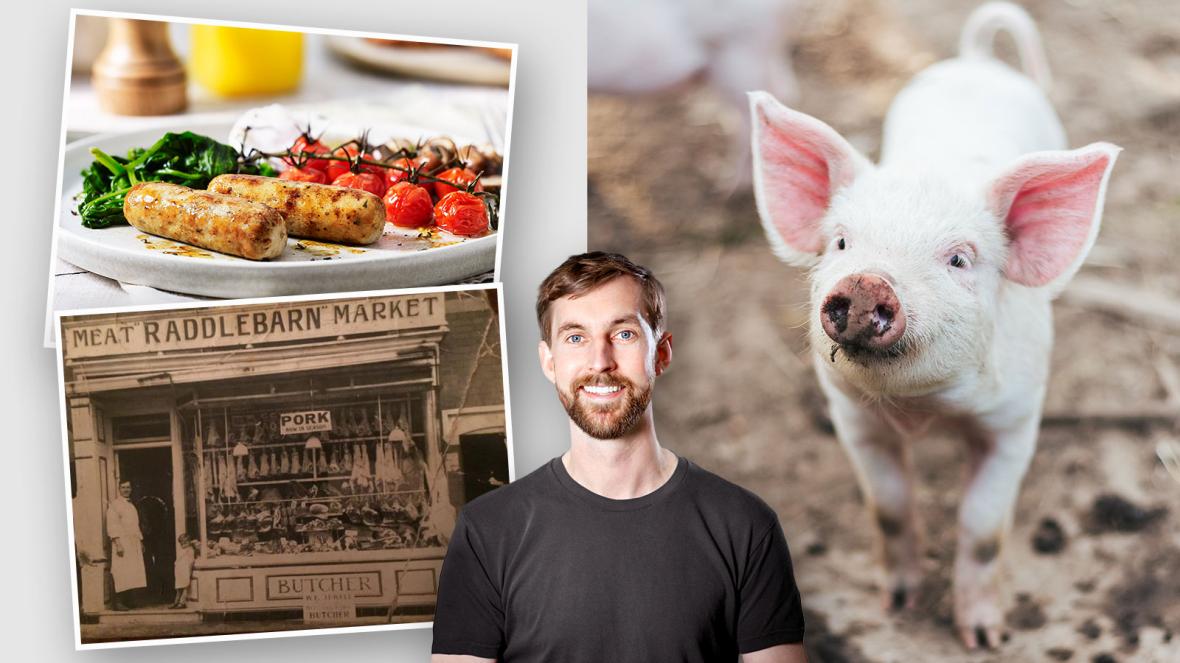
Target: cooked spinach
(185,158)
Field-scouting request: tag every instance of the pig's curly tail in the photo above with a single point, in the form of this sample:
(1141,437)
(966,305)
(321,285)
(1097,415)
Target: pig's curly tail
(979,33)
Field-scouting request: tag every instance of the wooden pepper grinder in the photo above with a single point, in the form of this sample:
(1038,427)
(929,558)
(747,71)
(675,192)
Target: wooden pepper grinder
(137,73)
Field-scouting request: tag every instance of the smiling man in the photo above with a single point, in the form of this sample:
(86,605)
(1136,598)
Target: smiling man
(618,550)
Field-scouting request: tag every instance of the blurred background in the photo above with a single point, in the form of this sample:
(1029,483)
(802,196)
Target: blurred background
(1095,555)
(226,70)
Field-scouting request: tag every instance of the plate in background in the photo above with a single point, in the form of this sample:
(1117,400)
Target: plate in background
(460,64)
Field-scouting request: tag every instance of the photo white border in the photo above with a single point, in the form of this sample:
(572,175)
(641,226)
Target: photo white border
(63,409)
(51,335)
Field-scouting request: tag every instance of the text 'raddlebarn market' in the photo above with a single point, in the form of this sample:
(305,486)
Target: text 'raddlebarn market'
(190,328)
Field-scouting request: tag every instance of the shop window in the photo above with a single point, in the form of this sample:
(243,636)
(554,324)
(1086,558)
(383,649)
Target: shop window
(324,470)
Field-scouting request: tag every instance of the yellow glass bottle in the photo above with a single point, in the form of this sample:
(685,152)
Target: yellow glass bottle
(234,62)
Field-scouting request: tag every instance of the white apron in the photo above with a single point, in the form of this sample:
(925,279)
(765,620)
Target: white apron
(123,524)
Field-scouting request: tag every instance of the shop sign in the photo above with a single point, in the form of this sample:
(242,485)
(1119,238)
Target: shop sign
(328,608)
(305,421)
(296,586)
(223,326)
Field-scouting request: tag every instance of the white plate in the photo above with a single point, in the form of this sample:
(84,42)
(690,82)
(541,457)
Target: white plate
(399,259)
(459,64)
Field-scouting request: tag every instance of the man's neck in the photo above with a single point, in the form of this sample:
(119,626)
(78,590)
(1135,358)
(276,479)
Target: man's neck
(625,468)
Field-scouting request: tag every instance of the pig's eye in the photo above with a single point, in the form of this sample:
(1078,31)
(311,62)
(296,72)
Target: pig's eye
(959,261)
(840,244)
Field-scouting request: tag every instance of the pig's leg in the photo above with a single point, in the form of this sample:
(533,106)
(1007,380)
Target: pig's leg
(881,458)
(998,461)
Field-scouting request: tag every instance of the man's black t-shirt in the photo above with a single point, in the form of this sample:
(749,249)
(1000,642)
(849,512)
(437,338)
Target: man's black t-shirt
(546,570)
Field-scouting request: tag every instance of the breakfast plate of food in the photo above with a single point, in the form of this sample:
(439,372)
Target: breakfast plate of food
(250,210)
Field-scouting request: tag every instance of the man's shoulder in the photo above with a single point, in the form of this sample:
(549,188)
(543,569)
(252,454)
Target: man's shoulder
(735,503)
(512,501)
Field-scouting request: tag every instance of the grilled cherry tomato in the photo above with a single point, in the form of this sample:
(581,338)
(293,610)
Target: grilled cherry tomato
(393,175)
(362,180)
(301,145)
(461,177)
(305,174)
(337,168)
(461,213)
(408,205)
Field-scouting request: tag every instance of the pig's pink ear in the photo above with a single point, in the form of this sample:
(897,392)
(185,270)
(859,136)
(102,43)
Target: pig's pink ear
(799,164)
(1051,205)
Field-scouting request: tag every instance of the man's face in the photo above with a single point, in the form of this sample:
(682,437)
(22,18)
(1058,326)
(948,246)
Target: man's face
(125,489)
(603,357)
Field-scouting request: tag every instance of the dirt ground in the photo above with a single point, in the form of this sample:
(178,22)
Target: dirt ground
(1094,561)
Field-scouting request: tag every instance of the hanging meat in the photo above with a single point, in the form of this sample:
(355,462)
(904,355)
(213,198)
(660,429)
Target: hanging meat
(284,462)
(412,467)
(252,467)
(356,476)
(366,463)
(295,465)
(392,475)
(264,465)
(392,469)
(322,465)
(230,490)
(334,460)
(206,481)
(363,428)
(346,461)
(398,461)
(259,433)
(379,477)
(218,467)
(214,437)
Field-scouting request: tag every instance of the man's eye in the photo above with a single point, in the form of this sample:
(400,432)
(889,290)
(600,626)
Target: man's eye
(626,335)
(573,338)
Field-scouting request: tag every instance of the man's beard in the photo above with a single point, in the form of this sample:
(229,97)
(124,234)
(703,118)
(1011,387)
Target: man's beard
(608,421)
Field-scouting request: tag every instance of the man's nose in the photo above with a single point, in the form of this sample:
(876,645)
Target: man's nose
(602,358)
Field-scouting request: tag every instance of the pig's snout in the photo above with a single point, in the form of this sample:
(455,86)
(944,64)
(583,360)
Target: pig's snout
(863,310)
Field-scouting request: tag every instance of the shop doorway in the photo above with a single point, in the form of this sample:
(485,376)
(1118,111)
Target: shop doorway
(150,473)
(483,460)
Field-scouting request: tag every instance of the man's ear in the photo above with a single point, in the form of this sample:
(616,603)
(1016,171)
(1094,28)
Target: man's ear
(663,353)
(546,357)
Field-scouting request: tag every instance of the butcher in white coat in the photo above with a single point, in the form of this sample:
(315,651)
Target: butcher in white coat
(127,566)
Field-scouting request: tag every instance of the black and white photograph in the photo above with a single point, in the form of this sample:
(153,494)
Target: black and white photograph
(277,465)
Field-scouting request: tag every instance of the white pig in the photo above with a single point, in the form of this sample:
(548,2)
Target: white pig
(931,279)
(645,46)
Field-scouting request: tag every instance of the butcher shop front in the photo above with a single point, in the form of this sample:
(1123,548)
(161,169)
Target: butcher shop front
(315,452)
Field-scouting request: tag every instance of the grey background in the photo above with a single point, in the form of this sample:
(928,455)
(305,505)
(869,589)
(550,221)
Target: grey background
(546,208)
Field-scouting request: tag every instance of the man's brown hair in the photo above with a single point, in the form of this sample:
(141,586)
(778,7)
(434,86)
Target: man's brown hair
(582,273)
